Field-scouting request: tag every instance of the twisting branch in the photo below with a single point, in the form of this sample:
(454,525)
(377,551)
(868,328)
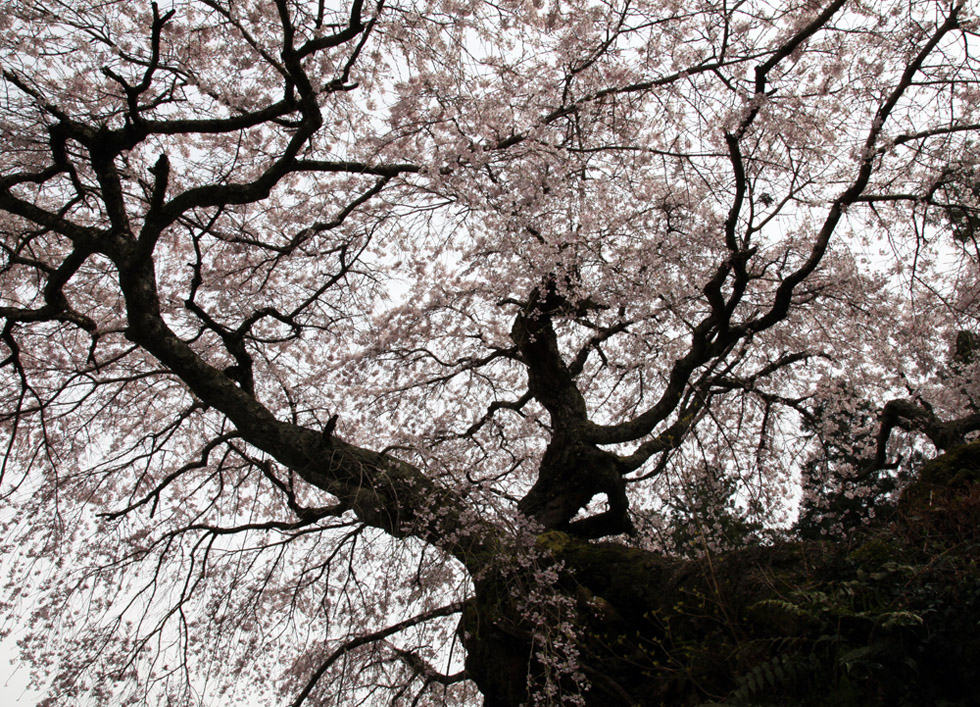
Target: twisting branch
(913,416)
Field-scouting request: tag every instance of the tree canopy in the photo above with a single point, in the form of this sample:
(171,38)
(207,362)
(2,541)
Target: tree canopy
(325,327)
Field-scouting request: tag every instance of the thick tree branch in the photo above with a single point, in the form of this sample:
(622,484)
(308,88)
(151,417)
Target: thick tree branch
(913,416)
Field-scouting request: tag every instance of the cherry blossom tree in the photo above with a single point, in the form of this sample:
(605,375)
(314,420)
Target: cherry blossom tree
(323,325)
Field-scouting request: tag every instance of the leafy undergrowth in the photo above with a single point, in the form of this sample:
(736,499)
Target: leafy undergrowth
(894,622)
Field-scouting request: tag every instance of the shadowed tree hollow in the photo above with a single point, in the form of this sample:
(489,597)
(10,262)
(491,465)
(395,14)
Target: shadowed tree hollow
(453,353)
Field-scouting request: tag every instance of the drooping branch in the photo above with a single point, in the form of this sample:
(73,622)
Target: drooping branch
(374,636)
